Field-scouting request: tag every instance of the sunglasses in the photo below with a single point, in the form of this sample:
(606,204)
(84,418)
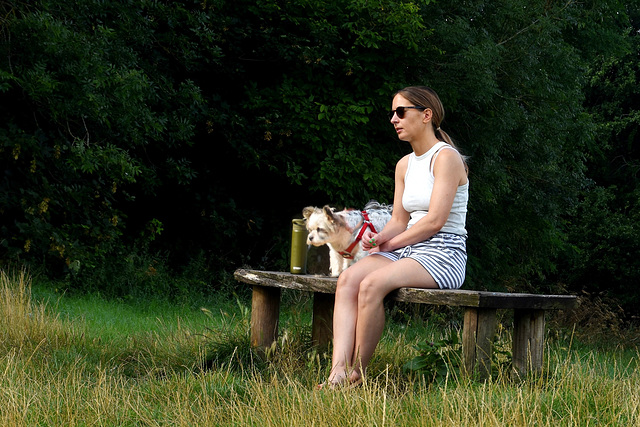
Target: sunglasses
(401,110)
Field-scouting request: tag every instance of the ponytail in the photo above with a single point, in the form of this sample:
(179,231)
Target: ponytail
(443,136)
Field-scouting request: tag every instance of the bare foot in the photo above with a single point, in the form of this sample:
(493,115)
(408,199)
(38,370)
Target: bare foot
(342,383)
(336,380)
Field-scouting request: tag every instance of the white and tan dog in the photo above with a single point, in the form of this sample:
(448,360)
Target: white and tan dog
(342,231)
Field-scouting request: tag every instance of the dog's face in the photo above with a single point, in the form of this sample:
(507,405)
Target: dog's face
(322,224)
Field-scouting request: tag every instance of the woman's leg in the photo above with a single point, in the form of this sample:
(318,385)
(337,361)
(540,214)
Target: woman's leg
(373,288)
(345,314)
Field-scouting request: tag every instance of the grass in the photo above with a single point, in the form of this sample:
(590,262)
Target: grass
(84,360)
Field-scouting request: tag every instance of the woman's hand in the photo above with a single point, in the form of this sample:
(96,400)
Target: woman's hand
(371,241)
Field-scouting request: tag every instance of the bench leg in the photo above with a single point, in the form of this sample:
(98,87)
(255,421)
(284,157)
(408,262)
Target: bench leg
(265,311)
(322,326)
(477,341)
(528,341)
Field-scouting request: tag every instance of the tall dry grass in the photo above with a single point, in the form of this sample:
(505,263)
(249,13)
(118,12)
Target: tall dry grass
(25,327)
(53,373)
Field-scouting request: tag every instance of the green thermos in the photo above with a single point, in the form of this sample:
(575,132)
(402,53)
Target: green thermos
(299,247)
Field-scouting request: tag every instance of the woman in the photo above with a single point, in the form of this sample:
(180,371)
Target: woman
(422,246)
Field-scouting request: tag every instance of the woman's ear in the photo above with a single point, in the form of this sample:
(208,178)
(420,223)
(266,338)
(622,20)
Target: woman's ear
(428,115)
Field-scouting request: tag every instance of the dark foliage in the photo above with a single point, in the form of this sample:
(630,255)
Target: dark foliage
(194,131)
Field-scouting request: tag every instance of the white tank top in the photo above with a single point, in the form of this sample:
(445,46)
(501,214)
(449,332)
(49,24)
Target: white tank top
(418,186)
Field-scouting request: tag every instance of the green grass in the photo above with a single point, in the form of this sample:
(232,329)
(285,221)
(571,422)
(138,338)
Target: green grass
(84,360)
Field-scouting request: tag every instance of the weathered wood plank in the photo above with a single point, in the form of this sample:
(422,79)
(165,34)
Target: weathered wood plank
(528,341)
(469,334)
(277,279)
(459,297)
(477,341)
(484,341)
(322,325)
(532,301)
(265,312)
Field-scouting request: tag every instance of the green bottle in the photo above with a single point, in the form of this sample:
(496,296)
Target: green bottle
(299,247)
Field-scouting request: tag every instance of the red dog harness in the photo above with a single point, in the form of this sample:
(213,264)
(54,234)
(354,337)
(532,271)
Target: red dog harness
(366,224)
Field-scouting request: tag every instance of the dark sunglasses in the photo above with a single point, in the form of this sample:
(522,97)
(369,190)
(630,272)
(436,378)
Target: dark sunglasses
(401,110)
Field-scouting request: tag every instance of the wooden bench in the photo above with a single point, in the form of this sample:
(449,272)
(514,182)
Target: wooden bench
(479,315)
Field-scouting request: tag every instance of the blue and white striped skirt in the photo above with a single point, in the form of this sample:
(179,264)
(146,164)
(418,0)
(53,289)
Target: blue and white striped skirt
(444,256)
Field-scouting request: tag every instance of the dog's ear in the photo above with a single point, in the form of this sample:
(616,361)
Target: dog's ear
(308,211)
(328,211)
(332,217)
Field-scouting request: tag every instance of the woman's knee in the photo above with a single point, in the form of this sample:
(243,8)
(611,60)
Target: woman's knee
(369,292)
(346,286)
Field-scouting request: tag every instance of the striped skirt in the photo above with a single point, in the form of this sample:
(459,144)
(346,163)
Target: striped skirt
(444,256)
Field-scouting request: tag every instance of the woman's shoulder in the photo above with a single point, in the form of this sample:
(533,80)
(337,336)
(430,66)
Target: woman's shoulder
(450,161)
(403,163)
(449,153)
(405,159)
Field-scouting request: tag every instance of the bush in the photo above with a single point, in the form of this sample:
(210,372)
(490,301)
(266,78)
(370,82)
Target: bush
(199,129)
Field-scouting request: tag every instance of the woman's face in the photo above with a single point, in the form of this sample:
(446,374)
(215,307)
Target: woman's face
(412,124)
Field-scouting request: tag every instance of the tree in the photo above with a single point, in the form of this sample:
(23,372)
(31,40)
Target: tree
(513,86)
(604,234)
(95,114)
(214,123)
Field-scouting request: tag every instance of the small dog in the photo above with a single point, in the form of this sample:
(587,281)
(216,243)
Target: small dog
(342,231)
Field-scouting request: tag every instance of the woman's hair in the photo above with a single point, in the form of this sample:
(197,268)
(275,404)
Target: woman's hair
(424,96)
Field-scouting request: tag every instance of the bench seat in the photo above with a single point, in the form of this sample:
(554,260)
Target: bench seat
(479,316)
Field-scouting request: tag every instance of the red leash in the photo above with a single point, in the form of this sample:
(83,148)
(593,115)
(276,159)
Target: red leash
(366,224)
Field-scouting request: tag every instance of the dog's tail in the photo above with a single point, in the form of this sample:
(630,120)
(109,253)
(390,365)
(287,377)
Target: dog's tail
(373,204)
